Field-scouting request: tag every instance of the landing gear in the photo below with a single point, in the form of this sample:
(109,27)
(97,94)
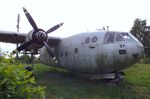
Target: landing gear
(31,68)
(116,79)
(28,68)
(32,60)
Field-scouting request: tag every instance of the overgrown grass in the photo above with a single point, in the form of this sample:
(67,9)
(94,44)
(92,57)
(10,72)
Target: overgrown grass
(60,85)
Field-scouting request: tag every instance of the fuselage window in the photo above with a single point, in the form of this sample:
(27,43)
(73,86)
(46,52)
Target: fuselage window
(75,50)
(66,54)
(119,37)
(61,54)
(87,40)
(94,39)
(109,37)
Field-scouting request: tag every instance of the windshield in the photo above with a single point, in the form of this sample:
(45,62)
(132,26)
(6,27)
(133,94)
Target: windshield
(110,37)
(119,37)
(126,36)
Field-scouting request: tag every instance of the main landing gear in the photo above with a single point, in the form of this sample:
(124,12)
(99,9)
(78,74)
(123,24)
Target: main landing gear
(31,68)
(116,80)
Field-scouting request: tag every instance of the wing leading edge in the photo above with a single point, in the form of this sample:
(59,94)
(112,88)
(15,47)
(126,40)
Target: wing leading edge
(15,37)
(12,37)
(53,41)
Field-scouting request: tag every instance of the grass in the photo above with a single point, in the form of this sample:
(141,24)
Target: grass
(61,85)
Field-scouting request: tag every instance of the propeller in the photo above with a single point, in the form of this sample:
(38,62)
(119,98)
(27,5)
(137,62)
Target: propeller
(30,19)
(54,28)
(38,36)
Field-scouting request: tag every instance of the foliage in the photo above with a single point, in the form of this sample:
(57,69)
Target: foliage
(16,82)
(25,58)
(145,60)
(3,53)
(142,32)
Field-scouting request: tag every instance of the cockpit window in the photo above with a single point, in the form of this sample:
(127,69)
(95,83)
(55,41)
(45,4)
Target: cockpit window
(109,37)
(119,37)
(126,36)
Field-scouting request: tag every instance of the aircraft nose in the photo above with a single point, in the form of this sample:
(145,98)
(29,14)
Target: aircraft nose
(140,53)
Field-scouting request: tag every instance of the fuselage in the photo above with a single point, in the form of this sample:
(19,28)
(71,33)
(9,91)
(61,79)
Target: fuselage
(96,52)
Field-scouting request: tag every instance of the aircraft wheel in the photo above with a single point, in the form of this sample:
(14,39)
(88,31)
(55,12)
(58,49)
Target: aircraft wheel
(28,68)
(116,79)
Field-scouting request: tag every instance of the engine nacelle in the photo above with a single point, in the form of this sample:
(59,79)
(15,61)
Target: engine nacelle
(45,57)
(37,39)
(29,35)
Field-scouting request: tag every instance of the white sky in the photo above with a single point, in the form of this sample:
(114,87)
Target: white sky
(77,15)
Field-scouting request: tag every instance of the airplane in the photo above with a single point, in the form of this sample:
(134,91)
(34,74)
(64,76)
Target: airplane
(103,53)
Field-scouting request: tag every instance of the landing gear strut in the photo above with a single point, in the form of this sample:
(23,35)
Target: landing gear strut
(116,79)
(30,68)
(32,60)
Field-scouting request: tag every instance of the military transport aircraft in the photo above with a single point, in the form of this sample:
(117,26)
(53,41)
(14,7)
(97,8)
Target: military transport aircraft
(93,53)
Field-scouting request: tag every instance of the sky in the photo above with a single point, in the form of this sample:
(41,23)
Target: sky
(78,15)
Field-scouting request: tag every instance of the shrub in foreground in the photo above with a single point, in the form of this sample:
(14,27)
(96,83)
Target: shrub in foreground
(17,83)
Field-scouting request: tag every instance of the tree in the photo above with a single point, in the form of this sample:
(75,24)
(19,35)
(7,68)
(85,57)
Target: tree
(142,32)
(25,59)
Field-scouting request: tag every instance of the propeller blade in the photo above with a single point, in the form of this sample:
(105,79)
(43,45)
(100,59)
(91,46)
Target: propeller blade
(50,52)
(21,47)
(48,49)
(54,28)
(25,45)
(30,19)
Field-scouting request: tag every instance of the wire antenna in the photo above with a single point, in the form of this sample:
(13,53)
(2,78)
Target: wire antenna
(18,22)
(18,27)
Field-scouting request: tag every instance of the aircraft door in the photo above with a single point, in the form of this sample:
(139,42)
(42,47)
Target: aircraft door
(107,57)
(83,51)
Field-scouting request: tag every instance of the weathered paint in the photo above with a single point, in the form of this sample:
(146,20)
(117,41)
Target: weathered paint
(94,57)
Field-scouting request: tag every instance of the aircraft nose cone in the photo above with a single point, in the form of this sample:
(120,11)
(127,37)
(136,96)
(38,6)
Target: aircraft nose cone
(139,54)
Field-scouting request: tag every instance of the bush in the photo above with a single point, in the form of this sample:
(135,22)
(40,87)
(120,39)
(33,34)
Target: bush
(15,82)
(25,59)
(145,60)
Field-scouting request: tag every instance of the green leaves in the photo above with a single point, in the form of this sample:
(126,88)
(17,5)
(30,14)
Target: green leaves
(142,32)
(16,82)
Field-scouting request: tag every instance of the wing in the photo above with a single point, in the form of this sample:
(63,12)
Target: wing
(12,37)
(53,41)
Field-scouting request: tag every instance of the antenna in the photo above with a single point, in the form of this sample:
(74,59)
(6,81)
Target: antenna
(107,28)
(18,22)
